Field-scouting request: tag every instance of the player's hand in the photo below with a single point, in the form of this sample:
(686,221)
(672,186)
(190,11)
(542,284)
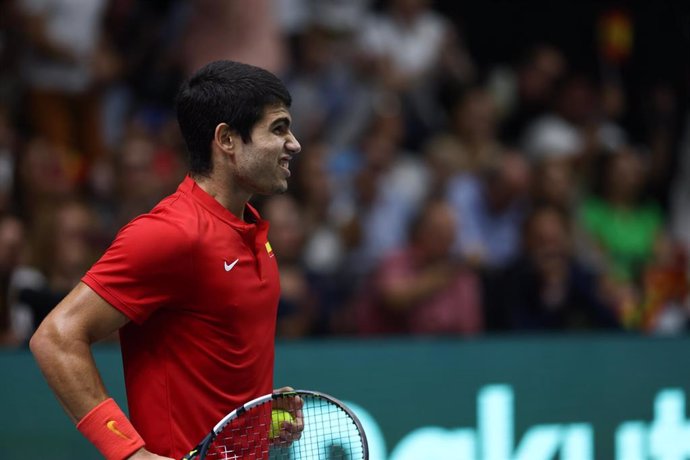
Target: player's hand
(290,431)
(143,454)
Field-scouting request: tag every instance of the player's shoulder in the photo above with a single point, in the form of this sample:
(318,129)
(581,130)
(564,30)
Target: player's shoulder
(173,221)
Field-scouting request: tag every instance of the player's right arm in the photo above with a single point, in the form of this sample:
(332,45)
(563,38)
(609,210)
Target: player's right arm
(62,348)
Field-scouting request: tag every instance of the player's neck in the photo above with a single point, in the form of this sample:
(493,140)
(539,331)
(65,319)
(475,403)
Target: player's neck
(233,200)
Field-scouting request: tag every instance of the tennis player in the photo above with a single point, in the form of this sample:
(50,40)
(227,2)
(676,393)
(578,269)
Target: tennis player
(192,286)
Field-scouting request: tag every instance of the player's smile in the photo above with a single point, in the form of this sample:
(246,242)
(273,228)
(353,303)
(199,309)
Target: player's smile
(285,165)
(264,163)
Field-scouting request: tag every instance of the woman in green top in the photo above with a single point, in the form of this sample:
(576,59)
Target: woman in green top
(623,225)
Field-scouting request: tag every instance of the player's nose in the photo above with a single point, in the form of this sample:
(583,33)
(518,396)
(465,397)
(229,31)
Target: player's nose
(292,145)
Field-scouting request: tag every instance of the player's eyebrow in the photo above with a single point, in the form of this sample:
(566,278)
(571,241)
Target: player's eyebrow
(282,120)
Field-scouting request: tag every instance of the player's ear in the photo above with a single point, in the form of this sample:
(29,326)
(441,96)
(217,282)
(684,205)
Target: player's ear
(224,137)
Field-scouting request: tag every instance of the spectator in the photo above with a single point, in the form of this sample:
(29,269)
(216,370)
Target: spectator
(144,171)
(331,100)
(145,167)
(43,178)
(661,131)
(622,228)
(422,288)
(523,95)
(622,225)
(324,252)
(472,137)
(146,39)
(410,47)
(574,128)
(491,207)
(554,185)
(382,195)
(65,244)
(546,287)
(443,163)
(297,308)
(61,66)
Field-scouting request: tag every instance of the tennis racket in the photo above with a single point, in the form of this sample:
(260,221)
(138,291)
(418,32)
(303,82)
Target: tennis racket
(293,425)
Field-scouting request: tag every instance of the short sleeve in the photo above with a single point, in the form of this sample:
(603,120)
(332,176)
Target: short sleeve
(147,267)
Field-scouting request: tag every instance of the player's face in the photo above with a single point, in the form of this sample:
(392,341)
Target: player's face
(263,163)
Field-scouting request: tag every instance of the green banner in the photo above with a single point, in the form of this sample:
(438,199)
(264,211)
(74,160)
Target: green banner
(501,398)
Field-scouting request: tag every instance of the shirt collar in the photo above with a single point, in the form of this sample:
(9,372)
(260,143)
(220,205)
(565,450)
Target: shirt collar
(190,187)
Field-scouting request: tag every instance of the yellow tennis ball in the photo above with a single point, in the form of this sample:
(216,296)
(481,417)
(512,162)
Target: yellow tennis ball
(278,416)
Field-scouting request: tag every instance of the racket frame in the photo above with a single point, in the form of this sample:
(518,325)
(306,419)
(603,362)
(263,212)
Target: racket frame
(200,450)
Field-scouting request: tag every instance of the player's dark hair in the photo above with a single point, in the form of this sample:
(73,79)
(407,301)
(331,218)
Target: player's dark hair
(224,92)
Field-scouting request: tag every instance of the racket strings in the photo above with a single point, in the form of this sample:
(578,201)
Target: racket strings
(329,433)
(245,437)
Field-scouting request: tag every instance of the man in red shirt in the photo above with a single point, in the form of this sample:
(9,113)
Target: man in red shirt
(192,286)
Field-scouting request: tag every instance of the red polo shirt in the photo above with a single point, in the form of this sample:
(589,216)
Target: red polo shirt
(201,288)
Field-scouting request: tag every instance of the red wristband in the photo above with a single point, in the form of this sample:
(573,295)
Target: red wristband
(107,427)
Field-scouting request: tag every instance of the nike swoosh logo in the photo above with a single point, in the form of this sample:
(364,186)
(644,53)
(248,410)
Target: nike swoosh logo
(229,267)
(112,426)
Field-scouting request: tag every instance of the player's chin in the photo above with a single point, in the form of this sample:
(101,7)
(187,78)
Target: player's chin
(275,190)
(281,187)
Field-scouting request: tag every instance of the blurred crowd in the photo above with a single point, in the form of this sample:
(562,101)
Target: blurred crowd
(435,194)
